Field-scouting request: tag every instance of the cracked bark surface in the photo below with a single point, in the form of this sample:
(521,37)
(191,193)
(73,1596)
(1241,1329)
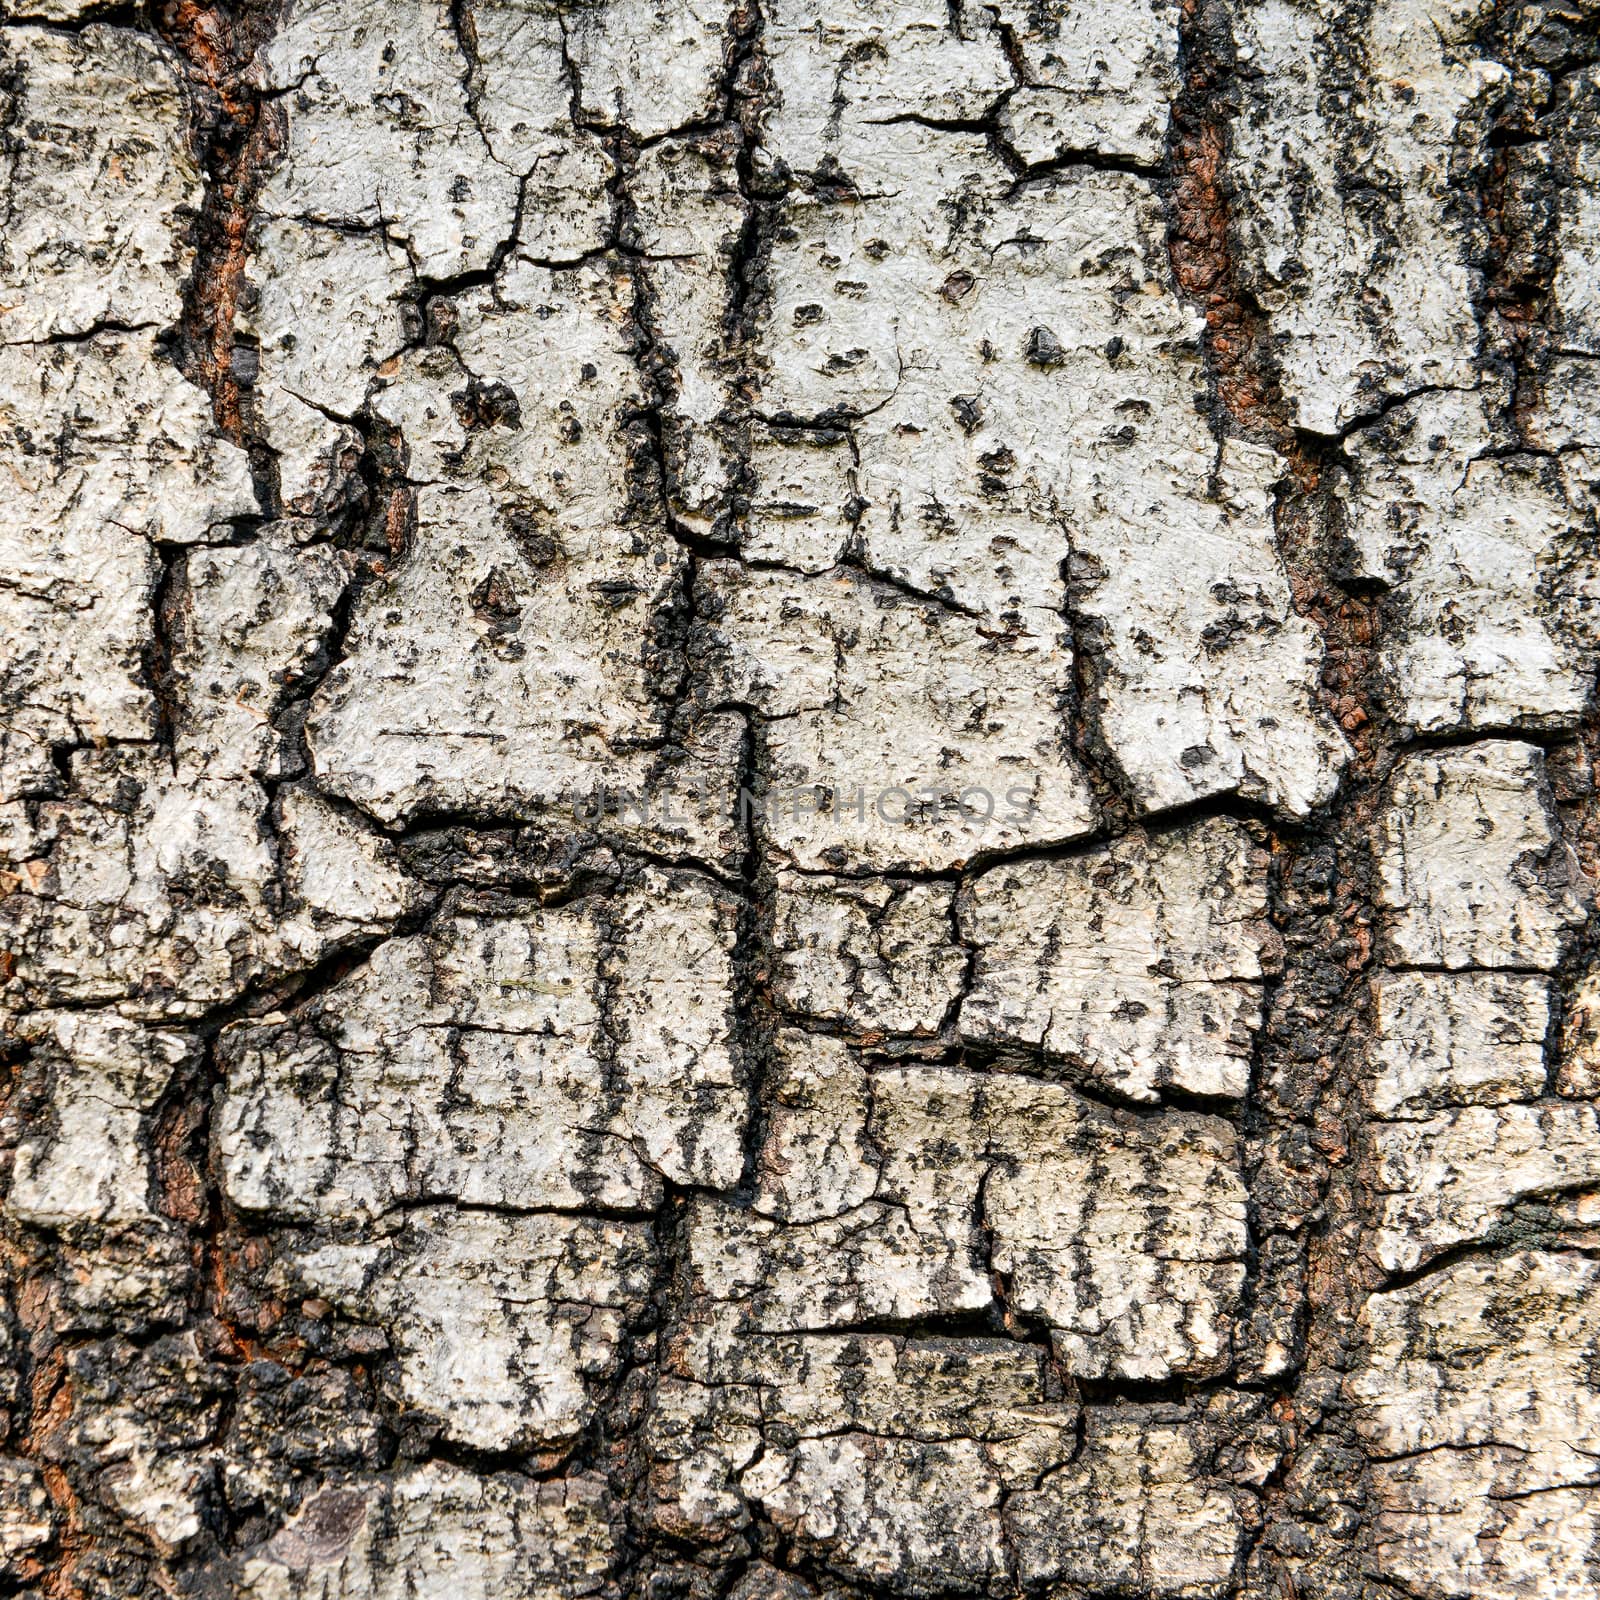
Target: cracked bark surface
(799,802)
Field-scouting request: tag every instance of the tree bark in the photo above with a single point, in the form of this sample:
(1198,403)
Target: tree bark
(799,802)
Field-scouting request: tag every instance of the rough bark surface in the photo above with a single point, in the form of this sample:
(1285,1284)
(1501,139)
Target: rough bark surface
(799,802)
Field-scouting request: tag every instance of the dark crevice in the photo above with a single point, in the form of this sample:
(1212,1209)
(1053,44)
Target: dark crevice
(113,14)
(239,132)
(1500,1240)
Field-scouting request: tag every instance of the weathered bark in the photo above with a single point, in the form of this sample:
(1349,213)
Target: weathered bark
(800,802)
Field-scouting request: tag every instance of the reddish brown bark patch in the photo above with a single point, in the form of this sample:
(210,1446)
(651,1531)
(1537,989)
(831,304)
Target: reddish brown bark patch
(241,134)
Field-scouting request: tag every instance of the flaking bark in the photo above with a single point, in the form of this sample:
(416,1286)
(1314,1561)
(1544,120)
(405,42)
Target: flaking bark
(799,802)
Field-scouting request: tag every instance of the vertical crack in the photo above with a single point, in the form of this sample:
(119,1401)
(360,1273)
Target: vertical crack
(1302,1119)
(1243,380)
(240,134)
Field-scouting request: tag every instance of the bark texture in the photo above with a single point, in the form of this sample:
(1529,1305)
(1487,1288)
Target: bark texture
(799,800)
